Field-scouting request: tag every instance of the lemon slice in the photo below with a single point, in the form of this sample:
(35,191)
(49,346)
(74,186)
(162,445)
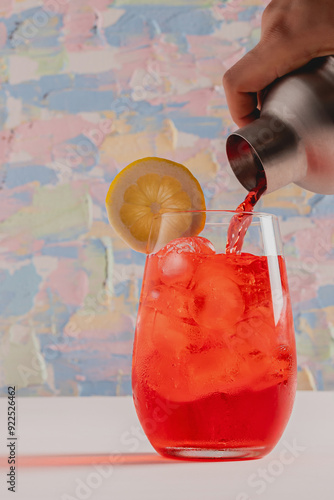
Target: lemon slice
(148,188)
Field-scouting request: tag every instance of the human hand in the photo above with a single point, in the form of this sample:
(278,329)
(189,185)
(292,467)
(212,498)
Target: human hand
(292,33)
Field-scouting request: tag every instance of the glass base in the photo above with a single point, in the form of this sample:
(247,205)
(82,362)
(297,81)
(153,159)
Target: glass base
(214,454)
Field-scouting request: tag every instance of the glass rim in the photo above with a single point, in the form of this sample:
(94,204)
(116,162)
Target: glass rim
(199,221)
(215,211)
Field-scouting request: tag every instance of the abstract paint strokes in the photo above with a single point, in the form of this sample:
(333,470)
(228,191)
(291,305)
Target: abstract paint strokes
(86,88)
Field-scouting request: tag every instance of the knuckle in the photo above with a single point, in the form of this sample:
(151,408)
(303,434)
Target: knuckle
(268,11)
(228,78)
(276,22)
(279,27)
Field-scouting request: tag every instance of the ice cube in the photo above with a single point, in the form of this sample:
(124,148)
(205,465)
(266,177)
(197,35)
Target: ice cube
(169,338)
(177,268)
(207,367)
(195,244)
(217,300)
(257,329)
(170,301)
(179,258)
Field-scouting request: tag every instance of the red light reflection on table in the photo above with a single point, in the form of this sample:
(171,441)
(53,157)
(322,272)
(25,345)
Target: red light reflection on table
(74,460)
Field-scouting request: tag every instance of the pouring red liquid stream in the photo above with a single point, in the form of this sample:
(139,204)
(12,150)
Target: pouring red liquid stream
(241,221)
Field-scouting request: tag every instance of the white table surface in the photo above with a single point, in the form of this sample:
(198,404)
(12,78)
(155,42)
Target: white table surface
(106,430)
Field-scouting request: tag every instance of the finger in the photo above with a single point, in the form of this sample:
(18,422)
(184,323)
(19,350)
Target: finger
(255,71)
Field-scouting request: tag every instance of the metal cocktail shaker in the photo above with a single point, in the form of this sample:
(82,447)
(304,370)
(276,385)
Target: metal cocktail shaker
(293,140)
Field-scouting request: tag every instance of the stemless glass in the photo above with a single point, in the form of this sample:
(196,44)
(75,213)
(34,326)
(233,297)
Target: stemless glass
(214,361)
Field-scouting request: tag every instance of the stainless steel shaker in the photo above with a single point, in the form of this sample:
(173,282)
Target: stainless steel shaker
(293,139)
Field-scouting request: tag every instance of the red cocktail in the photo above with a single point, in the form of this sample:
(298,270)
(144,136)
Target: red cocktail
(214,364)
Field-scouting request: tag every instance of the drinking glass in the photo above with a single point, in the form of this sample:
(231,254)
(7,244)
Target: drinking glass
(214,361)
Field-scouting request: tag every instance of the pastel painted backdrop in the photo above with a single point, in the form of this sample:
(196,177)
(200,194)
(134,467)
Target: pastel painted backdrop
(88,86)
